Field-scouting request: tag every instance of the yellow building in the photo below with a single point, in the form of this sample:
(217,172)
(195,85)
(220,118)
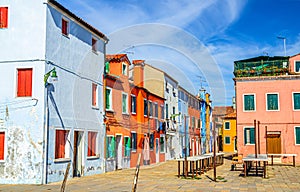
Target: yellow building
(229,133)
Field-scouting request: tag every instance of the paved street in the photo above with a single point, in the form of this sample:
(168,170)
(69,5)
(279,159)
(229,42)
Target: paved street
(163,177)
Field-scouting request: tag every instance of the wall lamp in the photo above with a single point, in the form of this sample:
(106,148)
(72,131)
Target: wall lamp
(52,74)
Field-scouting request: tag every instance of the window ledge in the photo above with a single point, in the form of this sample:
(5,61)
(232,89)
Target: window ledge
(62,160)
(66,36)
(133,113)
(95,107)
(109,110)
(93,157)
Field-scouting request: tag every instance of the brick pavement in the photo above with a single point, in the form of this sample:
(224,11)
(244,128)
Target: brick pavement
(163,177)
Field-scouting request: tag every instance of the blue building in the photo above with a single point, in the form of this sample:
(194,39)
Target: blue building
(45,125)
(184,138)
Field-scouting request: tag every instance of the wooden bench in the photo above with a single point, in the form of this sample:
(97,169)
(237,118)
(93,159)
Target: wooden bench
(283,155)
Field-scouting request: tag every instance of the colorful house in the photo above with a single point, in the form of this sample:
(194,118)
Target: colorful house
(229,133)
(46,126)
(148,132)
(268,104)
(183,127)
(218,115)
(194,125)
(117,111)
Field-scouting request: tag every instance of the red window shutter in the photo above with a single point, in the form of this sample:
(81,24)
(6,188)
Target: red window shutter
(3,17)
(24,83)
(64,26)
(94,94)
(60,142)
(94,44)
(2,138)
(89,144)
(93,144)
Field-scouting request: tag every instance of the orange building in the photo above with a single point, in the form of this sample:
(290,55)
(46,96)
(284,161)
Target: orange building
(147,127)
(116,97)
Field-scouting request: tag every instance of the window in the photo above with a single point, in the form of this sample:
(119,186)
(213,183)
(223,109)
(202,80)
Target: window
(124,68)
(62,147)
(227,125)
(150,109)
(127,144)
(94,95)
(151,143)
(162,112)
(106,70)
(24,83)
(124,103)
(227,140)
(155,110)
(297,66)
(65,27)
(162,143)
(199,123)
(133,104)
(272,102)
(297,135)
(108,99)
(249,136)
(296,101)
(2,144)
(110,146)
(3,17)
(249,102)
(167,111)
(92,138)
(133,141)
(173,112)
(94,44)
(193,122)
(145,107)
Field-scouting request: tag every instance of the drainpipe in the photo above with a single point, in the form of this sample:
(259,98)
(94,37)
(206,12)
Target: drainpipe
(46,135)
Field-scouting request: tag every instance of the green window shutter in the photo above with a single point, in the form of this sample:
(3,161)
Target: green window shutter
(113,143)
(249,103)
(297,132)
(107,98)
(296,101)
(252,136)
(106,67)
(227,125)
(272,101)
(245,136)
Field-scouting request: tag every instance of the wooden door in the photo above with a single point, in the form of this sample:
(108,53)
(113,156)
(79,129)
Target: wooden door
(274,143)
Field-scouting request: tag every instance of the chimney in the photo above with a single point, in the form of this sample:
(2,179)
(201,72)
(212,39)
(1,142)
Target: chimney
(233,103)
(138,72)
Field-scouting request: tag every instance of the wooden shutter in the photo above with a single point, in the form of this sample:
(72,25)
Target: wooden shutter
(64,26)
(24,83)
(3,17)
(94,94)
(2,138)
(60,142)
(92,143)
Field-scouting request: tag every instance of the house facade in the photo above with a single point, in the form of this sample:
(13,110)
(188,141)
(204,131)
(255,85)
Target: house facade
(268,104)
(117,111)
(229,133)
(194,125)
(147,123)
(46,126)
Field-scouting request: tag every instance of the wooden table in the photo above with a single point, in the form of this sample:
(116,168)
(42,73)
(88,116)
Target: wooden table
(251,158)
(283,155)
(202,162)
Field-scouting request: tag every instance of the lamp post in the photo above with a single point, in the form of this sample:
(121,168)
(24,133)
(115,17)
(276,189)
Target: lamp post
(53,75)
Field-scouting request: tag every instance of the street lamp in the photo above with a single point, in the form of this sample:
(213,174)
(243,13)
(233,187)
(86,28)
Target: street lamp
(48,86)
(52,74)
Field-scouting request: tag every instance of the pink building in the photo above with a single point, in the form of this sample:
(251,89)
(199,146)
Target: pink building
(268,92)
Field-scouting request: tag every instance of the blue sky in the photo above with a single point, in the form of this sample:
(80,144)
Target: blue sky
(195,41)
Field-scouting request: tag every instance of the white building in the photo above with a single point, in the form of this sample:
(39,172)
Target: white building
(172,117)
(61,121)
